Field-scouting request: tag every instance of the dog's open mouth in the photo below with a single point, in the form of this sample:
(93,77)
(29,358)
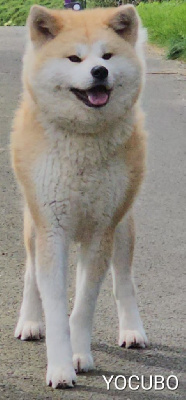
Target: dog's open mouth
(97,96)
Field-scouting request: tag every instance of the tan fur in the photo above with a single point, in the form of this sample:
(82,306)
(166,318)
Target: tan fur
(134,153)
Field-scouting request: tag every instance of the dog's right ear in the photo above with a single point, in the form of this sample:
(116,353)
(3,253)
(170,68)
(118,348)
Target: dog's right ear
(43,24)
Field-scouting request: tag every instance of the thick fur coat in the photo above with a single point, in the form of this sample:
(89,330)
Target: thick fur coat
(78,152)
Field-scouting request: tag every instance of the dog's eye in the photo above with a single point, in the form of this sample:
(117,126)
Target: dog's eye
(75,59)
(107,56)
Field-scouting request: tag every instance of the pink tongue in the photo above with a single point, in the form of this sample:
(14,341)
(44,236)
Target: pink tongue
(98,99)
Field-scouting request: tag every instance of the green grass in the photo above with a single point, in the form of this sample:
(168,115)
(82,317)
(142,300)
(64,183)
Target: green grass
(15,12)
(166,23)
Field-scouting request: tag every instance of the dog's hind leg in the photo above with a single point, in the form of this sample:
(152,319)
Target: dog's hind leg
(131,332)
(30,325)
(93,262)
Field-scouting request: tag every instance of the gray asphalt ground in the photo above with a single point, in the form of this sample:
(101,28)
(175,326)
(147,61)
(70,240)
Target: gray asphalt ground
(159,261)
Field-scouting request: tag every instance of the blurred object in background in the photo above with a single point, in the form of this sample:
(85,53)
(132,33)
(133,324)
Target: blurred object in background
(75,5)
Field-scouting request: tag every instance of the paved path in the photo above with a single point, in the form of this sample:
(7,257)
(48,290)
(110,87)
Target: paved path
(159,256)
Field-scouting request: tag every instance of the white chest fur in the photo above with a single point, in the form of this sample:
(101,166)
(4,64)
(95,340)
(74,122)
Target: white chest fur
(80,181)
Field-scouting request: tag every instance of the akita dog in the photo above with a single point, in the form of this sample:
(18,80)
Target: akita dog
(78,150)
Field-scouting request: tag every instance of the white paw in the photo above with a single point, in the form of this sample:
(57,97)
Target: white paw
(29,330)
(60,377)
(133,338)
(83,362)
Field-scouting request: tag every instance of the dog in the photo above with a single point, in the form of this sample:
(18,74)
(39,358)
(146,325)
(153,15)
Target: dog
(78,149)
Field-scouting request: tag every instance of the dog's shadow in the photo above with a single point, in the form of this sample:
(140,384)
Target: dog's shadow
(153,357)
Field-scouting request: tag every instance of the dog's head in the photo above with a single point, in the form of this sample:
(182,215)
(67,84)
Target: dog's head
(84,66)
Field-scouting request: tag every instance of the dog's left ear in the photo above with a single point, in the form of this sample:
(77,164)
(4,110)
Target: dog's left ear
(125,23)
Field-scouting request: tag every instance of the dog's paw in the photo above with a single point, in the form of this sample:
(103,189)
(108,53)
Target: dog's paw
(60,377)
(83,362)
(133,339)
(29,330)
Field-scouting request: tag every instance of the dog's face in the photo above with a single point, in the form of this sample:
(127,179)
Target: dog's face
(83,66)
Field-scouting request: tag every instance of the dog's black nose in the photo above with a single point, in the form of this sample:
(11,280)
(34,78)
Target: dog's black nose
(99,72)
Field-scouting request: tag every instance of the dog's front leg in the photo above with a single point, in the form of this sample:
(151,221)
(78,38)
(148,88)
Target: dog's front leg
(94,259)
(51,265)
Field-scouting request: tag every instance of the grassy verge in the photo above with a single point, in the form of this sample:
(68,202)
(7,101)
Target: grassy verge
(15,12)
(166,23)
